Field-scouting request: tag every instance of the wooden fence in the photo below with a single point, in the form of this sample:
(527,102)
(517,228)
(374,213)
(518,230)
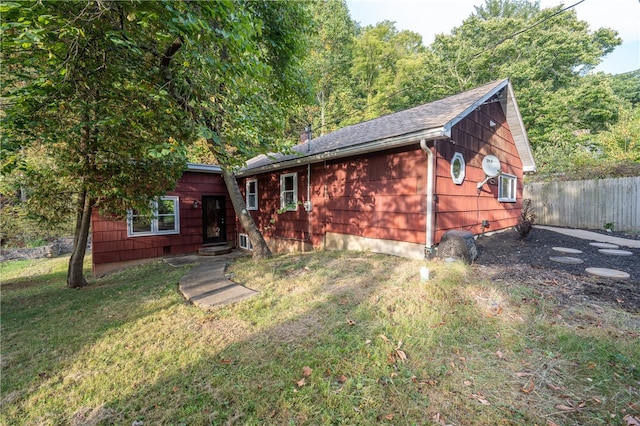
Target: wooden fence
(589,204)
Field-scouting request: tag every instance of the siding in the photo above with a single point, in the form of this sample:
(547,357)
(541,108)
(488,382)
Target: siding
(110,244)
(587,204)
(460,206)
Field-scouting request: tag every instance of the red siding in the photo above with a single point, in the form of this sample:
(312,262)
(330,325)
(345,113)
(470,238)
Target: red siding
(110,243)
(383,195)
(460,206)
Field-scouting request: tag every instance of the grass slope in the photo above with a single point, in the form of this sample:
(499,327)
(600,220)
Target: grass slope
(332,338)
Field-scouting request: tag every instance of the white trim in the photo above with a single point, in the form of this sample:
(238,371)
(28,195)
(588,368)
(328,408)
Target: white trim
(244,242)
(203,168)
(251,206)
(460,178)
(512,180)
(293,205)
(154,225)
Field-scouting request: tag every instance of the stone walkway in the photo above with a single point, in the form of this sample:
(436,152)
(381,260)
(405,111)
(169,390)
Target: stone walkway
(608,247)
(206,285)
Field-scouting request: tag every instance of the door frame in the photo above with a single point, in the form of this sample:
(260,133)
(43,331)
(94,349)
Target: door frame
(206,201)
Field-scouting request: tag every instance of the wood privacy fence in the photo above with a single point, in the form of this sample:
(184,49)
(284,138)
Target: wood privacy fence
(587,203)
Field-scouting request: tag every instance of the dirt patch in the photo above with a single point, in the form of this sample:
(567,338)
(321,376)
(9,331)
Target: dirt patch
(503,257)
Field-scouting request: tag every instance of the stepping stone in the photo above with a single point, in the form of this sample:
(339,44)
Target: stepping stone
(604,245)
(615,252)
(607,273)
(566,259)
(566,250)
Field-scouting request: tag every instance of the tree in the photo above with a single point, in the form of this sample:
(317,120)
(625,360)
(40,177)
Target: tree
(547,55)
(235,69)
(81,94)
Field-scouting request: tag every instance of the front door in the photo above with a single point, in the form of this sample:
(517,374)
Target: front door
(214,215)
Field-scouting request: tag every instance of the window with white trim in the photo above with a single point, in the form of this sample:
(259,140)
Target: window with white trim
(507,188)
(244,242)
(289,191)
(164,218)
(457,168)
(252,194)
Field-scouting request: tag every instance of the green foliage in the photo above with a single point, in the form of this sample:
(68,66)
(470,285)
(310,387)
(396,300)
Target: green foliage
(525,220)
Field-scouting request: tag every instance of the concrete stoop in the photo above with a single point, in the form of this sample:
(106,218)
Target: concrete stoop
(215,250)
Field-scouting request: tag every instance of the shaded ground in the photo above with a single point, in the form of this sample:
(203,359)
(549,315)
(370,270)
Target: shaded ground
(503,257)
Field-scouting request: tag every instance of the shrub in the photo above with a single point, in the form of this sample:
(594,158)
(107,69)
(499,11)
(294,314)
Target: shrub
(526,219)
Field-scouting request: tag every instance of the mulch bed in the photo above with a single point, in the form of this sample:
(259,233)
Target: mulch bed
(504,257)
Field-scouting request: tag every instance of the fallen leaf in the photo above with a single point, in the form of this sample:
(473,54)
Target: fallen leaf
(306,371)
(401,355)
(351,322)
(389,417)
(523,374)
(552,423)
(483,401)
(300,383)
(225,361)
(383,337)
(554,387)
(619,300)
(529,387)
(367,342)
(631,420)
(467,383)
(499,354)
(342,378)
(564,407)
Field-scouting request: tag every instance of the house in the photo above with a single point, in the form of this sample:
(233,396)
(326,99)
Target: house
(392,185)
(196,213)
(397,183)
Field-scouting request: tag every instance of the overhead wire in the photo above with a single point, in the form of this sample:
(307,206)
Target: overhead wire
(470,57)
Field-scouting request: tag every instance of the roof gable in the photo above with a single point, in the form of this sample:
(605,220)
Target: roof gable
(429,121)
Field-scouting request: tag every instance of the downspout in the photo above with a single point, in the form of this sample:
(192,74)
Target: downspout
(429,238)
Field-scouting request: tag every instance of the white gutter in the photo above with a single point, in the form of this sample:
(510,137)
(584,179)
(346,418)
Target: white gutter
(382,144)
(429,237)
(203,168)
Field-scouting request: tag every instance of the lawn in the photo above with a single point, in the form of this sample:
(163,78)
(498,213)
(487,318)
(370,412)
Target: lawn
(332,338)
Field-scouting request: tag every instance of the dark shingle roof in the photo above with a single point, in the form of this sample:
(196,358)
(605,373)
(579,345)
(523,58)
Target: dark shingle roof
(434,115)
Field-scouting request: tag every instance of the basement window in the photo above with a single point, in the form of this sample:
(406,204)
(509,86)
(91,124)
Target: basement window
(457,168)
(289,192)
(244,242)
(164,218)
(252,194)
(506,188)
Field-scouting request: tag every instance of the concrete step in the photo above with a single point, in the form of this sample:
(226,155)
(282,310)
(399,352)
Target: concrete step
(215,250)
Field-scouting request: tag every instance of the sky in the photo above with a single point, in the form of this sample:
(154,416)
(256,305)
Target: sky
(431,17)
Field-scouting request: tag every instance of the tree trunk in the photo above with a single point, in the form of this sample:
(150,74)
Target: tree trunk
(260,248)
(75,276)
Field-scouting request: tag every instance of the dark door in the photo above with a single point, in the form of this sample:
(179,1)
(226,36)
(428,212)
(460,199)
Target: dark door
(214,215)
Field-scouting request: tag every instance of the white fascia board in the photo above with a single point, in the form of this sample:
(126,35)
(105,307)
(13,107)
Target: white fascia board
(365,148)
(203,168)
(518,131)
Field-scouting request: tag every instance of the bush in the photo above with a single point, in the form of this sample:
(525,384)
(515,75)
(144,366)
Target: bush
(526,219)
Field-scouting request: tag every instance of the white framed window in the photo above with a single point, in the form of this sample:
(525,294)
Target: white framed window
(164,218)
(252,194)
(507,188)
(244,242)
(289,191)
(458,168)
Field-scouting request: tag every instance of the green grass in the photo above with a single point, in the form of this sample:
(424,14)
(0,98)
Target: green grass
(383,348)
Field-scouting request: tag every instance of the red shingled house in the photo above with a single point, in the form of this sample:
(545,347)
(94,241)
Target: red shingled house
(397,183)
(394,185)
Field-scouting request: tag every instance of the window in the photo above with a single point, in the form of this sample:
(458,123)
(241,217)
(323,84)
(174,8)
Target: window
(244,242)
(252,194)
(289,191)
(457,168)
(164,218)
(507,188)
